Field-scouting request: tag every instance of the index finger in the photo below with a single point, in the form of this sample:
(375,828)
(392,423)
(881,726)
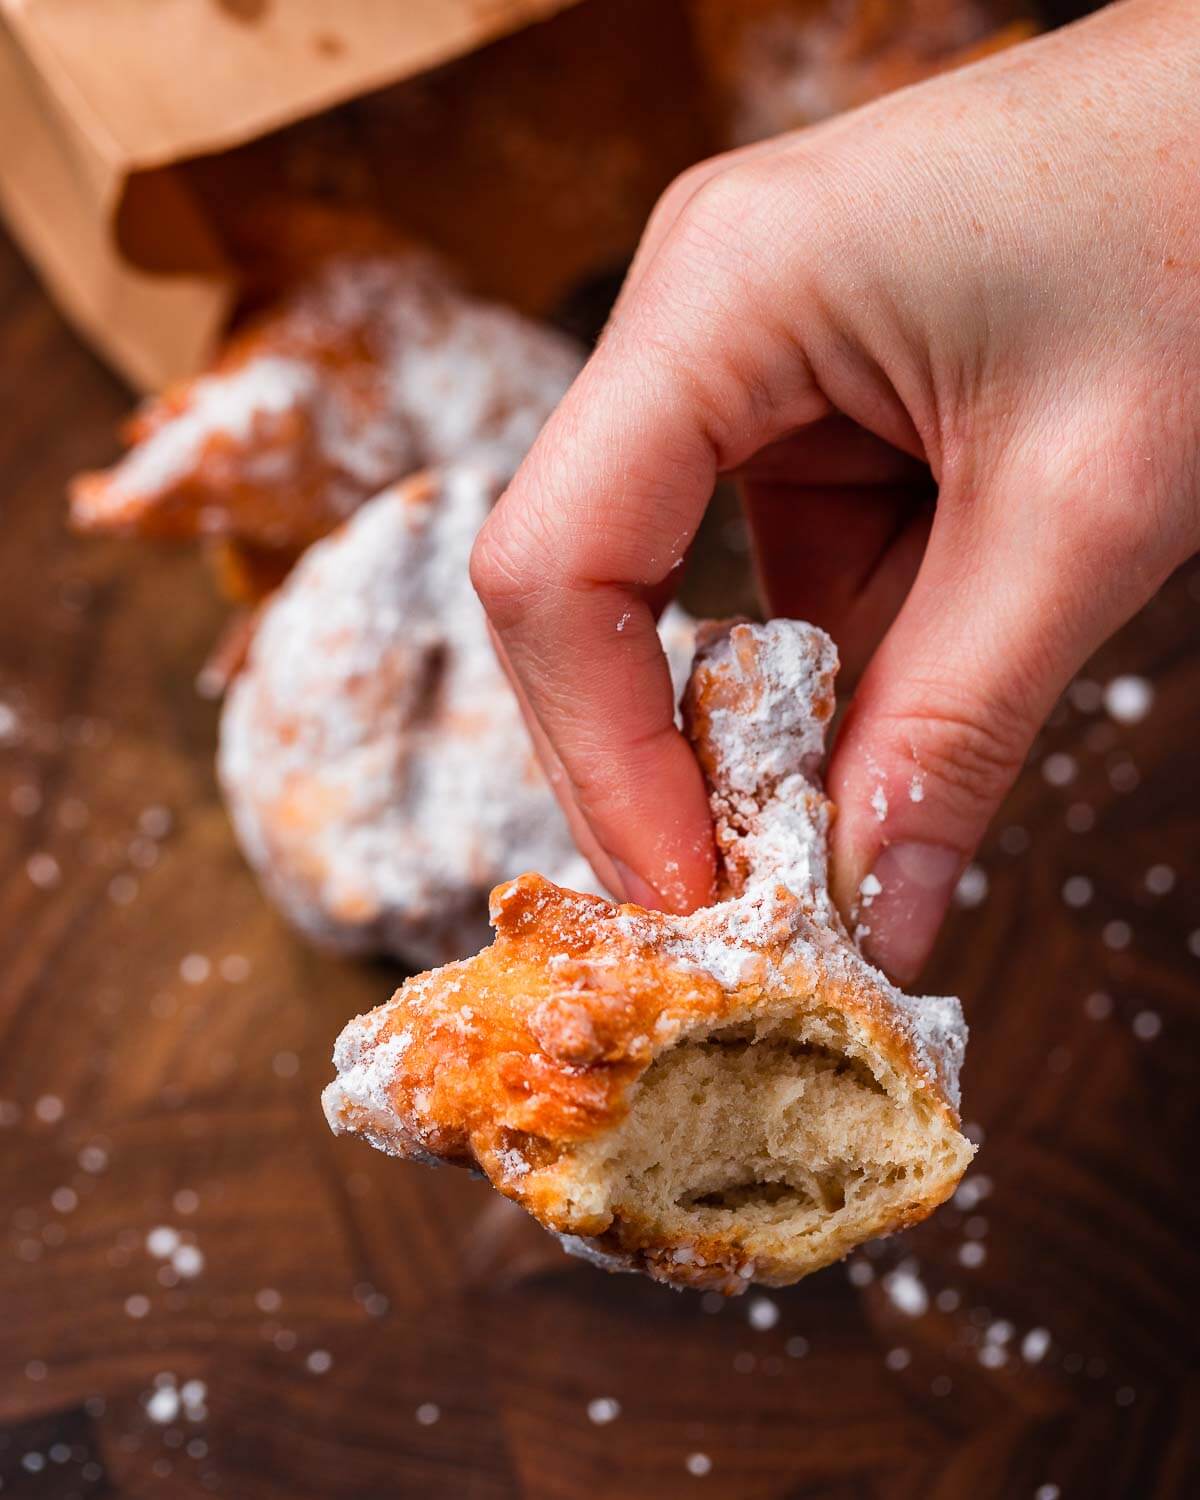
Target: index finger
(594,525)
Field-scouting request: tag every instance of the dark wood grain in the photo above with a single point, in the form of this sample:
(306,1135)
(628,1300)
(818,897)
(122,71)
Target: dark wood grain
(342,1297)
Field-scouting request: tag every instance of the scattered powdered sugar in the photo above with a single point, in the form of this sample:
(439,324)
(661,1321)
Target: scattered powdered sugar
(879,803)
(1128,699)
(1077,890)
(162,1241)
(762,1314)
(971,1191)
(163,1405)
(167,1244)
(44,871)
(1035,1345)
(92,1158)
(906,1291)
(194,968)
(972,887)
(49,1109)
(1146,1025)
(1060,769)
(1098,1006)
(188,1261)
(869,887)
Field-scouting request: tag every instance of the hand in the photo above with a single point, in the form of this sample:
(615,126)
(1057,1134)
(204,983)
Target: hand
(985,288)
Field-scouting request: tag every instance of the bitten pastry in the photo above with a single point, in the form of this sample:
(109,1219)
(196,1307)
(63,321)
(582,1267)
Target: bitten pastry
(374,367)
(718,1099)
(373,758)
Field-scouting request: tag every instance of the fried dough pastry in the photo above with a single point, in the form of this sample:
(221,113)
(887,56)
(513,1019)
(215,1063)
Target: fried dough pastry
(372,368)
(782,64)
(729,1097)
(372,755)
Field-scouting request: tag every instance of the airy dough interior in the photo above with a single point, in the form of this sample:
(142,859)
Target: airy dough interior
(763,1136)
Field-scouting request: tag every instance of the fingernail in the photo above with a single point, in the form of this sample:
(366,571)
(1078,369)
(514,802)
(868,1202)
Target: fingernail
(634,888)
(901,919)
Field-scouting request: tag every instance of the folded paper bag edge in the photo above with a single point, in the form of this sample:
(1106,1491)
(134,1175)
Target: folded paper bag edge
(150,328)
(183,78)
(70,150)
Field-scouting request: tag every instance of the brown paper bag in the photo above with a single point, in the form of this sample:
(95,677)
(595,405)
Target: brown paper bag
(161,158)
(94,94)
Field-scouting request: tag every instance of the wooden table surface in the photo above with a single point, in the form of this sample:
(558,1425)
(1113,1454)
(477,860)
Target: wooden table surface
(204,1293)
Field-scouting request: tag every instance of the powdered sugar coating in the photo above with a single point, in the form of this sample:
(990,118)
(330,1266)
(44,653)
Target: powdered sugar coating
(375,367)
(758,703)
(756,707)
(375,763)
(531,1061)
(228,405)
(773,724)
(790,65)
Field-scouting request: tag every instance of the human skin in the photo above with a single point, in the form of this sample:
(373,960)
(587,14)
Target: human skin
(984,288)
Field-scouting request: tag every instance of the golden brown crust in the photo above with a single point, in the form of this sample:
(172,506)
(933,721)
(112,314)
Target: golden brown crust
(523,1058)
(543,1032)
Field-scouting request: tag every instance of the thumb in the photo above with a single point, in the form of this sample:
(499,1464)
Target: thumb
(996,624)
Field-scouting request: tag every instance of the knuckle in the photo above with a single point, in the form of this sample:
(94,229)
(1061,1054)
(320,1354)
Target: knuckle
(750,242)
(1149,459)
(679,193)
(682,189)
(591,781)
(726,211)
(717,198)
(507,571)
